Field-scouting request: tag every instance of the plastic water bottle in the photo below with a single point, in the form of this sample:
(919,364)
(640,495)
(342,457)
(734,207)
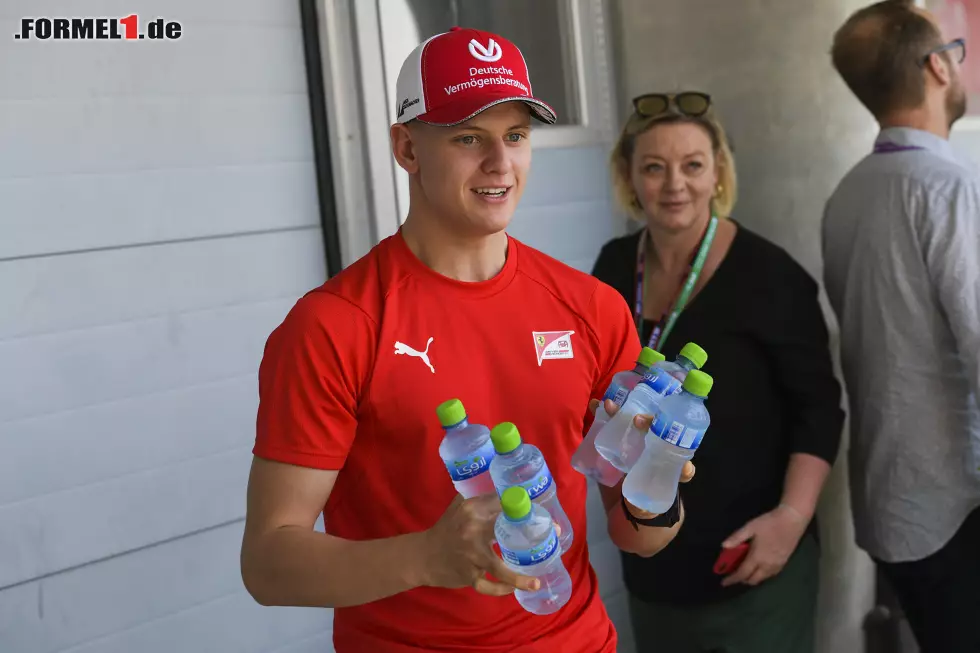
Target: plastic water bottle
(519,463)
(672,440)
(529,546)
(691,357)
(587,460)
(466,450)
(619,441)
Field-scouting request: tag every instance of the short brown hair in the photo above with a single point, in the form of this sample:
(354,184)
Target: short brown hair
(878,53)
(621,159)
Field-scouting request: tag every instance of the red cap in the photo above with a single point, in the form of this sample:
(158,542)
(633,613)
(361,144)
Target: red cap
(453,76)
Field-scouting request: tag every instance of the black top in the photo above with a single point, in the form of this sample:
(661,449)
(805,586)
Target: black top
(774,393)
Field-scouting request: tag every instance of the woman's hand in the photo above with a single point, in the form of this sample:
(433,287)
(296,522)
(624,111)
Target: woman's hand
(774,536)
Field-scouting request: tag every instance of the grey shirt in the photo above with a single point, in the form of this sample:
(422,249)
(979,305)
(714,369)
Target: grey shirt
(901,248)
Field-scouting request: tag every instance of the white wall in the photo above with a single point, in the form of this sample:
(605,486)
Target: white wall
(567,209)
(158,217)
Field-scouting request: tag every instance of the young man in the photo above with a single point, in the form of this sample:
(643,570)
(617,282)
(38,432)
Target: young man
(902,268)
(449,306)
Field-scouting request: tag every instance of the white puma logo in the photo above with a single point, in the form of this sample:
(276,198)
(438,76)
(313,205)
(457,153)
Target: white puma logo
(402,348)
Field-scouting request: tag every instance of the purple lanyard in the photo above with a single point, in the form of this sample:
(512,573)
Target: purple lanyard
(886,147)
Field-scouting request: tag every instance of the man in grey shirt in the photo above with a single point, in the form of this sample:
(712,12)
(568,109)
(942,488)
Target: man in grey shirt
(901,247)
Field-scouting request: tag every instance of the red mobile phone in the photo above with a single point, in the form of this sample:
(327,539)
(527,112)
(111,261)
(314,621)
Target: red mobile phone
(729,559)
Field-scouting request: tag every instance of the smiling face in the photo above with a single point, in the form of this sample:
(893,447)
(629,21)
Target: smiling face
(674,175)
(469,177)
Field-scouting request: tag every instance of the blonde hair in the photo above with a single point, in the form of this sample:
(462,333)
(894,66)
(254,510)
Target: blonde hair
(621,160)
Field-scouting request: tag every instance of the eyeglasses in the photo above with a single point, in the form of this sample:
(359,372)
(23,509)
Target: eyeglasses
(688,103)
(957,48)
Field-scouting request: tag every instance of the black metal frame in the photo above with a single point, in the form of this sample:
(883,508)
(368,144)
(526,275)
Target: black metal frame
(321,136)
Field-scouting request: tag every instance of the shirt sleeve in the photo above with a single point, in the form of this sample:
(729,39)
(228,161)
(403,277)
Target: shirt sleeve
(951,240)
(313,374)
(798,345)
(619,345)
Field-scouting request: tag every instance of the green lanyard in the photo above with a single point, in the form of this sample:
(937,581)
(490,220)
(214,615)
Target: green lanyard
(665,325)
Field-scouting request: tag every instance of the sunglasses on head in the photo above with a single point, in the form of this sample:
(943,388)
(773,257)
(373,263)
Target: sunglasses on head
(688,103)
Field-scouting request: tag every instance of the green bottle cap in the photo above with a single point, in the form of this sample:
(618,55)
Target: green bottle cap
(516,502)
(698,383)
(505,437)
(650,357)
(695,354)
(451,412)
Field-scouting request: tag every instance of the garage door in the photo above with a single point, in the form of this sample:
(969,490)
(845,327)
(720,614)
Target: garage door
(158,217)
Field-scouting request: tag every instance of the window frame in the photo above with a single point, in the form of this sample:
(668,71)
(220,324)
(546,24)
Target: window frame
(590,79)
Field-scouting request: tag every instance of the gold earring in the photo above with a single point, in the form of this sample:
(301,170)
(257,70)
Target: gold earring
(719,190)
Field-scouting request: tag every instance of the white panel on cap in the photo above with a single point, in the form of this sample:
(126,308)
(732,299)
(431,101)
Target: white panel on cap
(410,92)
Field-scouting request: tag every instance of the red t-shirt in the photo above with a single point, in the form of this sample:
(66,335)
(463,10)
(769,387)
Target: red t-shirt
(343,387)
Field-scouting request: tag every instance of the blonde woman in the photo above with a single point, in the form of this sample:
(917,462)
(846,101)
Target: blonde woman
(693,274)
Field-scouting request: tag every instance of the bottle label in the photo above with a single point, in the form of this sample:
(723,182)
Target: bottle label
(539,484)
(662,382)
(467,468)
(676,433)
(617,393)
(534,555)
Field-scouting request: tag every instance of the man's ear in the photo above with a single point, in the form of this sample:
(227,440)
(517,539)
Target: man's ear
(939,67)
(403,148)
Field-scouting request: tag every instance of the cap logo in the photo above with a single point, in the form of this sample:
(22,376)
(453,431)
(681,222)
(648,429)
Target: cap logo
(405,104)
(489,54)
